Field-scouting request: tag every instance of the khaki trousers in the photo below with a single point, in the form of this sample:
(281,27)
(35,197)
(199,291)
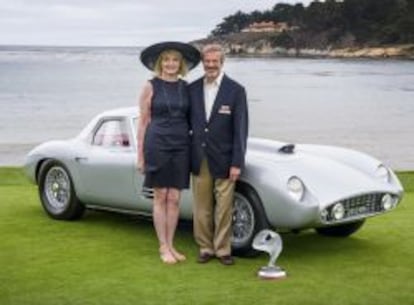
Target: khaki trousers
(213,209)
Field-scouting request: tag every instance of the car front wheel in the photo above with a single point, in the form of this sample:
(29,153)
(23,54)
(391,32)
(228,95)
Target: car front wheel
(343,230)
(248,219)
(57,193)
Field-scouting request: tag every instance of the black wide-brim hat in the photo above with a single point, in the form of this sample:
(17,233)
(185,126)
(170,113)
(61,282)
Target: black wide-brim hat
(190,54)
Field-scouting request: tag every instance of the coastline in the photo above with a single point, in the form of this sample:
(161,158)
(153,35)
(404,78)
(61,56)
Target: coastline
(262,44)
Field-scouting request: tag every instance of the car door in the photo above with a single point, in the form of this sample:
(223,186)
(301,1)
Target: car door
(107,167)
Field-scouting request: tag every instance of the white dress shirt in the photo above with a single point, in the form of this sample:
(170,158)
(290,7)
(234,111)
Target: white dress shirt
(210,93)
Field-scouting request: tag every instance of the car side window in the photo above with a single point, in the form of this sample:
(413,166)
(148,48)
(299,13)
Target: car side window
(112,133)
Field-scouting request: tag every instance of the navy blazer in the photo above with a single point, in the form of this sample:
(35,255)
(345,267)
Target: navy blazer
(222,139)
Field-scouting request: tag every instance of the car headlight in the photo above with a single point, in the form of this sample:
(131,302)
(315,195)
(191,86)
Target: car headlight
(296,188)
(382,173)
(338,211)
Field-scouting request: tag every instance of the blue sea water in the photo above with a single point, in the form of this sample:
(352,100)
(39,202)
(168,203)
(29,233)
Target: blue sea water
(52,92)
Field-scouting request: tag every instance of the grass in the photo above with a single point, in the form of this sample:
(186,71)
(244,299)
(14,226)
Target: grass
(112,259)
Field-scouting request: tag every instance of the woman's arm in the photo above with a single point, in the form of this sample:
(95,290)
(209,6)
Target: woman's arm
(143,121)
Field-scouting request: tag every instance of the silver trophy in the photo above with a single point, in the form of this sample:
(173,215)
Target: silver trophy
(270,242)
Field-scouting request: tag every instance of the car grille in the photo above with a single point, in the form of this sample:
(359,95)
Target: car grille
(356,207)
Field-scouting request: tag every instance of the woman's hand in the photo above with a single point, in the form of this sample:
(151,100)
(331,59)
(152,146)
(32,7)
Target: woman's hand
(141,165)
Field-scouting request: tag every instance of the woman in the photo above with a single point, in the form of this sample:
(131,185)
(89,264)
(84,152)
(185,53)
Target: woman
(163,136)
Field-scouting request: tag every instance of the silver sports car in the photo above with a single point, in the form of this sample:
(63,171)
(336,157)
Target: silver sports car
(288,187)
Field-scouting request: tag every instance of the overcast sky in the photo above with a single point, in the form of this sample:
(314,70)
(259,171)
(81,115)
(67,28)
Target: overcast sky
(116,22)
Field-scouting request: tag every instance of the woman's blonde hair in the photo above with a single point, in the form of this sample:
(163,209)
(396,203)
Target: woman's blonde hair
(182,70)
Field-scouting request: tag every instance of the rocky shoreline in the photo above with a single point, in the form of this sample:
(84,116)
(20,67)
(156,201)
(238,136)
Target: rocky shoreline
(262,45)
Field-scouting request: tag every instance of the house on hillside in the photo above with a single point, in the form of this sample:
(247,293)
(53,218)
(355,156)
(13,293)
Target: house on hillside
(267,26)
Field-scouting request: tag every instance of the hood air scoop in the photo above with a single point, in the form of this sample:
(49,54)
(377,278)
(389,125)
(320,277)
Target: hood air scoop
(287,149)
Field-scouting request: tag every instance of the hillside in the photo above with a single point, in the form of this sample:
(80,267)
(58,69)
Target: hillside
(331,28)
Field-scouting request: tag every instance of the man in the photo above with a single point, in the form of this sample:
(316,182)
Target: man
(219,119)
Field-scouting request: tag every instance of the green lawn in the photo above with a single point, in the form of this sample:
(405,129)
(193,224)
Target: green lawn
(112,259)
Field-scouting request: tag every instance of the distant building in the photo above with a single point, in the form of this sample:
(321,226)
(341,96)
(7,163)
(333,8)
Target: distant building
(267,26)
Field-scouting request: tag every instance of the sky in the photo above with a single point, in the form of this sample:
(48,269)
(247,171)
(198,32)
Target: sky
(116,22)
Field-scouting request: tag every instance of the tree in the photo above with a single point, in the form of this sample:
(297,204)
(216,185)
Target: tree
(405,22)
(232,24)
(365,21)
(324,15)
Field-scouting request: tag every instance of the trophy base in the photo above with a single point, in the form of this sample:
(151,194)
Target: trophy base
(271,273)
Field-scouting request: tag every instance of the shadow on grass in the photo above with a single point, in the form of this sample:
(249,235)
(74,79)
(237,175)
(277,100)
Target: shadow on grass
(311,245)
(305,245)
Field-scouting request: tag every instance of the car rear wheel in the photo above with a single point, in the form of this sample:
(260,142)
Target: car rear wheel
(57,192)
(343,230)
(248,219)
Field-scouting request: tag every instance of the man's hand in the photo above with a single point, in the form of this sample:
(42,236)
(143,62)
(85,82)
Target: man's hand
(234,173)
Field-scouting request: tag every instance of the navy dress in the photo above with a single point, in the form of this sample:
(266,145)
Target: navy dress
(167,140)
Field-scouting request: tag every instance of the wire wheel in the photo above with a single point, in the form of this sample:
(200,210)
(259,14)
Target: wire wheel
(243,220)
(57,188)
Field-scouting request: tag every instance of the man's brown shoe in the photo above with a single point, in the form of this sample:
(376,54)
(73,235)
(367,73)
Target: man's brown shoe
(226,260)
(204,258)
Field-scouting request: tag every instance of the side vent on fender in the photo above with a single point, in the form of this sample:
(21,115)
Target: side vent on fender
(287,149)
(147,192)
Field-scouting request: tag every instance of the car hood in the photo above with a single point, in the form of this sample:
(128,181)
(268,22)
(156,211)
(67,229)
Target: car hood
(327,176)
(331,180)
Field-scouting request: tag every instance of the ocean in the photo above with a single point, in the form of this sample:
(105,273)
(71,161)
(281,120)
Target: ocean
(52,92)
